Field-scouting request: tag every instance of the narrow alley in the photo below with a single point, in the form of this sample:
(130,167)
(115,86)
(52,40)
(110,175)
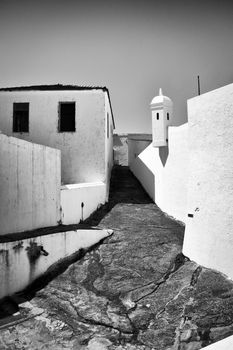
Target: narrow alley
(134,291)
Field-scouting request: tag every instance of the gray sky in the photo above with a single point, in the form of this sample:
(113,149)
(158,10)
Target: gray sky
(132,47)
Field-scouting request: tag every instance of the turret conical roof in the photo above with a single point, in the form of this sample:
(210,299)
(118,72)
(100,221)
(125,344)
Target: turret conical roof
(161,100)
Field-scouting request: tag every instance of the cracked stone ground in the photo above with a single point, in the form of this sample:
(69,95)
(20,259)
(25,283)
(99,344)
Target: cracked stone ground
(135,291)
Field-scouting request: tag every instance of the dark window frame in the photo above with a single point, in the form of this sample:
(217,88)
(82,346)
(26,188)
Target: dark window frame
(157,116)
(20,117)
(61,125)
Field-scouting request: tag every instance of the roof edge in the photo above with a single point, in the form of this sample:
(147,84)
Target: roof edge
(110,104)
(61,87)
(53,87)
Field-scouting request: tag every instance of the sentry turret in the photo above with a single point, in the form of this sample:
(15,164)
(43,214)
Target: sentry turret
(162,115)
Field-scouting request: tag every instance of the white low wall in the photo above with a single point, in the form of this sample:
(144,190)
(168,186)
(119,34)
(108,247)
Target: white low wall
(225,344)
(163,171)
(144,171)
(16,269)
(209,227)
(72,196)
(30,179)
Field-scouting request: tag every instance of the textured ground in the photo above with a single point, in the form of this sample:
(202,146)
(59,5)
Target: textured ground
(135,291)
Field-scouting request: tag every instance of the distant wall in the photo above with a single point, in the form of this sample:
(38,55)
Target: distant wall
(19,265)
(209,233)
(136,144)
(121,146)
(82,151)
(120,149)
(30,180)
(163,171)
(79,201)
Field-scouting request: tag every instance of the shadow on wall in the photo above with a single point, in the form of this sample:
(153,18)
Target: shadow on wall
(163,154)
(124,188)
(145,175)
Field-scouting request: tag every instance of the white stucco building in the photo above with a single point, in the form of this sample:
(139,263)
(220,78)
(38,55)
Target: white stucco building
(76,120)
(78,123)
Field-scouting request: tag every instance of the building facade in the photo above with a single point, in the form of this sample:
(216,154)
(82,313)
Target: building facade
(76,120)
(77,123)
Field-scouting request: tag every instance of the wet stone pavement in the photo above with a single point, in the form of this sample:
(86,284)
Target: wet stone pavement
(135,291)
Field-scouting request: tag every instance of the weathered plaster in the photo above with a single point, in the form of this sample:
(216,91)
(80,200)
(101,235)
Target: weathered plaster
(18,268)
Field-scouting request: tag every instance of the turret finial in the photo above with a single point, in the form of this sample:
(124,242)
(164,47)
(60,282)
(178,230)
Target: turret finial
(160,92)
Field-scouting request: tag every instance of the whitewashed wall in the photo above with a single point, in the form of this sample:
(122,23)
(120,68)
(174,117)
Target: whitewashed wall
(163,171)
(83,152)
(209,233)
(136,144)
(225,344)
(143,168)
(108,145)
(29,185)
(92,195)
(16,269)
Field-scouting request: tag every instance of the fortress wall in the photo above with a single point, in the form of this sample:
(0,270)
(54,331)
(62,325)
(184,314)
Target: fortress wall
(163,171)
(209,227)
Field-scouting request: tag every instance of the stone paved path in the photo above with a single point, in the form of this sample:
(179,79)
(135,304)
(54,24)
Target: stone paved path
(135,291)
